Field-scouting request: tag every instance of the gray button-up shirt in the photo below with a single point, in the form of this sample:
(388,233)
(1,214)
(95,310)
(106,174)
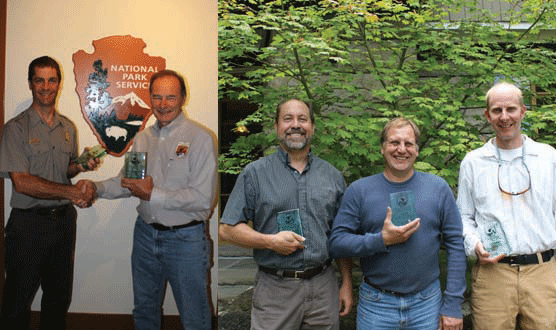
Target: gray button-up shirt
(30,145)
(184,179)
(270,185)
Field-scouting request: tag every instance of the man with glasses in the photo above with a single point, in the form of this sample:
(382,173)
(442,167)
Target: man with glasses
(507,200)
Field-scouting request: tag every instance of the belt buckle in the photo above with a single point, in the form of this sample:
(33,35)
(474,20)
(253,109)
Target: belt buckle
(297,274)
(49,211)
(513,261)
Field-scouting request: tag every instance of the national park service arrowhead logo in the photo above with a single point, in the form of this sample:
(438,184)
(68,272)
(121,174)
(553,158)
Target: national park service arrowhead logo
(113,89)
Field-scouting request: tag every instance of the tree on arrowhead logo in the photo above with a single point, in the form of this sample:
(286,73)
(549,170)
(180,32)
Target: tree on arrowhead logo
(113,89)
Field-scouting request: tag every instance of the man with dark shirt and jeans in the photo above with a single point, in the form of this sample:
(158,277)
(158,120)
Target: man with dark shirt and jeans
(296,287)
(38,153)
(401,288)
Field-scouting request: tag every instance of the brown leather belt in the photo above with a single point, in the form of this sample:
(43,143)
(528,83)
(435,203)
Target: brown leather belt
(528,259)
(300,274)
(161,227)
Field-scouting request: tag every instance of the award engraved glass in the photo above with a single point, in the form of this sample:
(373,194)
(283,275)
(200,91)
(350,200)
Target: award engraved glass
(291,221)
(135,165)
(403,207)
(95,152)
(494,239)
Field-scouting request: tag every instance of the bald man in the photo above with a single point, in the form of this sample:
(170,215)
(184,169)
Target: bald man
(507,200)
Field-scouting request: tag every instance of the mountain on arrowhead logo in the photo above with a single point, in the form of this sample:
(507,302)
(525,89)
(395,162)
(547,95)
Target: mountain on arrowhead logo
(113,89)
(123,105)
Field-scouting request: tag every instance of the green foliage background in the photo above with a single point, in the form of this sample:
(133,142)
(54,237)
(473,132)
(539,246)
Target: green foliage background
(363,62)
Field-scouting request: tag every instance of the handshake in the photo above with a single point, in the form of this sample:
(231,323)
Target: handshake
(84,193)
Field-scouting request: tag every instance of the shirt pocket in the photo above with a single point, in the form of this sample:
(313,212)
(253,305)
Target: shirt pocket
(45,157)
(324,201)
(485,183)
(39,158)
(38,150)
(177,172)
(64,151)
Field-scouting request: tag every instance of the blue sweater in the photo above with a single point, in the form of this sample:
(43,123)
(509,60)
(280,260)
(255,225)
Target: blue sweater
(411,266)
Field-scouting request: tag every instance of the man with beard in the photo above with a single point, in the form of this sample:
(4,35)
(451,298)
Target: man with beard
(291,197)
(38,153)
(400,288)
(176,199)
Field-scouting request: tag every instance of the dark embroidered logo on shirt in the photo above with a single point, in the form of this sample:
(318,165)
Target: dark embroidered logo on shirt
(182,149)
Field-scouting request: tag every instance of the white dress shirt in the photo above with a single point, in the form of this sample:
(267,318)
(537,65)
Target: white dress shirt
(528,219)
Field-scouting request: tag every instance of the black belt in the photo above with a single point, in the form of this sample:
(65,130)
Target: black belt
(301,274)
(393,293)
(528,259)
(57,211)
(161,227)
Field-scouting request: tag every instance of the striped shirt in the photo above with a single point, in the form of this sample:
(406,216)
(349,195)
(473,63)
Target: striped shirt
(270,185)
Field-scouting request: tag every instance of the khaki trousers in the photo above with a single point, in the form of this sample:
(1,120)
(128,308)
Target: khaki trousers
(281,303)
(502,292)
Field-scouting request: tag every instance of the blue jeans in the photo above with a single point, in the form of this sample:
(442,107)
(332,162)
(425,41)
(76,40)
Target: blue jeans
(179,257)
(379,310)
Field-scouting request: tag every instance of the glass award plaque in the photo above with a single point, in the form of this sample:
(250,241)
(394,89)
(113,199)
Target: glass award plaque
(95,152)
(403,207)
(290,221)
(494,239)
(135,165)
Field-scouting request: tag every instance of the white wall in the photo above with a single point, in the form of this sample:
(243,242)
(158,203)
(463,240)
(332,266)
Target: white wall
(184,32)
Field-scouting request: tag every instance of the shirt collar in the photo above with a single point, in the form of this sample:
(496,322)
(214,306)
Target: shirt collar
(37,120)
(177,122)
(285,158)
(402,182)
(490,150)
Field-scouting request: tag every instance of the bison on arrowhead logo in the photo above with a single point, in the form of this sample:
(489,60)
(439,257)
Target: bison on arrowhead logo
(113,89)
